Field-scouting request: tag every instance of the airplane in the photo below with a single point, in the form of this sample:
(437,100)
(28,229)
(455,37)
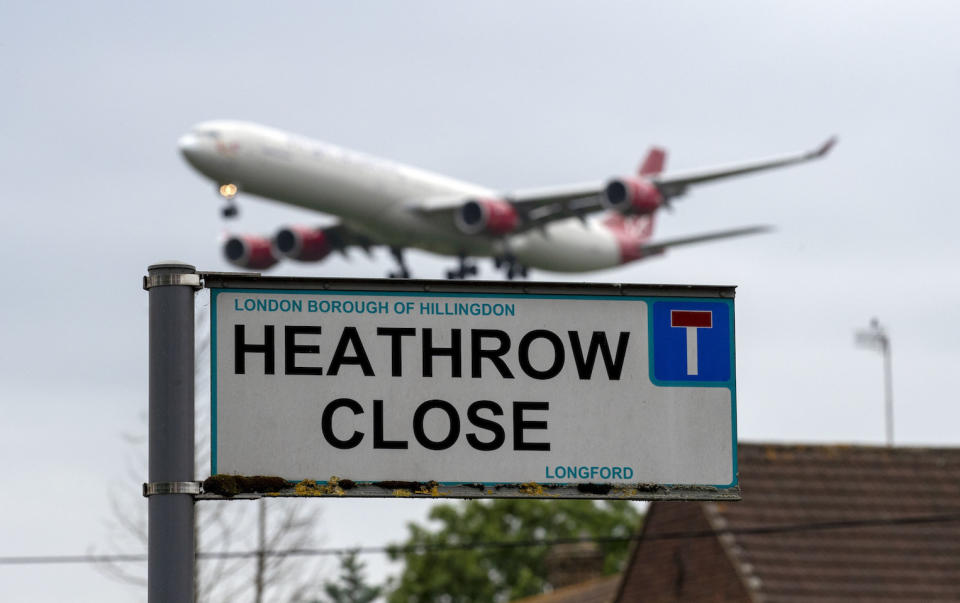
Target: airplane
(571,228)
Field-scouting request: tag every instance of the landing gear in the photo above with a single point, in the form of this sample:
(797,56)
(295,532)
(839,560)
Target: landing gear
(228,191)
(516,271)
(466,267)
(402,271)
(511,267)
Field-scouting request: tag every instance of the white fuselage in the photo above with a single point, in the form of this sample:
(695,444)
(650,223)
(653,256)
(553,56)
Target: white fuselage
(380,198)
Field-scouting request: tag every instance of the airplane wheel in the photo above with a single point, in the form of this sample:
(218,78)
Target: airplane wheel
(472,270)
(451,275)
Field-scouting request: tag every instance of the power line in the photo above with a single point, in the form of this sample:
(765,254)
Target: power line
(431,548)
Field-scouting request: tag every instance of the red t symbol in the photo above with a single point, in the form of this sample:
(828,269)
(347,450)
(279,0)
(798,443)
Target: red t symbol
(691,320)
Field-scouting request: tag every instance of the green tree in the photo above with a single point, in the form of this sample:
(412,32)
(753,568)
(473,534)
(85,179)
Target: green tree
(351,586)
(502,573)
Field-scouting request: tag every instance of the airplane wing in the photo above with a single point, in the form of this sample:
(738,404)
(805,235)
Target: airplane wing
(661,246)
(532,208)
(539,206)
(675,184)
(341,237)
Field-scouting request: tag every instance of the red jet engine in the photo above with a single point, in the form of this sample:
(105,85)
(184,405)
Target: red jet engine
(303,243)
(632,196)
(490,216)
(250,251)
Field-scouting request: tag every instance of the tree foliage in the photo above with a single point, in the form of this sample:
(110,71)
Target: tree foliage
(476,573)
(351,586)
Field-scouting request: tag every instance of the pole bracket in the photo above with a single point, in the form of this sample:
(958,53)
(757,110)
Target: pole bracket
(170,280)
(154,488)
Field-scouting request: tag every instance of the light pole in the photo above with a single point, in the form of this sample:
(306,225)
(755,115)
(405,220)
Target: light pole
(875,338)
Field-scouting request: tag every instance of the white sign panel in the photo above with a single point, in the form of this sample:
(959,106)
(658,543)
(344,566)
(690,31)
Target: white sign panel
(480,389)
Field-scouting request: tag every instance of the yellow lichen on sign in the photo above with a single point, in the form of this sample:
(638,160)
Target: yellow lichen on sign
(308,487)
(431,488)
(531,489)
(403,493)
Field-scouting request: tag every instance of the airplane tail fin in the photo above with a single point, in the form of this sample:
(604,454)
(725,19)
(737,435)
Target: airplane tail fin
(654,162)
(631,234)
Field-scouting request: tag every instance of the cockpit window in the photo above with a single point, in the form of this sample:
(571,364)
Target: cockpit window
(215,135)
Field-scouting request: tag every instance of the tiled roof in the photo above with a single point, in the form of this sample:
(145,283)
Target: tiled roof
(802,485)
(664,568)
(598,590)
(829,523)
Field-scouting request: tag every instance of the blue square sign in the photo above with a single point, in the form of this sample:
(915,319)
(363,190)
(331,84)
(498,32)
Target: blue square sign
(691,341)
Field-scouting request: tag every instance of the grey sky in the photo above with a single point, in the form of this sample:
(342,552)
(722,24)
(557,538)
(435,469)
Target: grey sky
(506,94)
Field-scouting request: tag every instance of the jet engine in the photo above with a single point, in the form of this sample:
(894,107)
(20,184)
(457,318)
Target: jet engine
(632,196)
(490,216)
(303,243)
(250,251)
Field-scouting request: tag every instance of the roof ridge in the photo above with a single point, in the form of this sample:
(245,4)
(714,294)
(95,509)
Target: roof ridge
(847,446)
(752,583)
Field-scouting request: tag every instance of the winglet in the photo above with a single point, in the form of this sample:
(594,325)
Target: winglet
(825,147)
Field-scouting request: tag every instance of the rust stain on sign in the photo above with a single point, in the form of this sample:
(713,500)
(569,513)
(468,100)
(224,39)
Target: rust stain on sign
(232,485)
(397,485)
(594,488)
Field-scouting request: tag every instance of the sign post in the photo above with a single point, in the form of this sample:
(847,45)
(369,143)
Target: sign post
(371,387)
(171,487)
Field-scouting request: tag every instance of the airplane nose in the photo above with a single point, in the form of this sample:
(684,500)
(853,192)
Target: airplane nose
(189,146)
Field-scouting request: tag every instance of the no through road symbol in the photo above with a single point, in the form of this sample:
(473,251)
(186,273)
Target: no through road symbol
(692,341)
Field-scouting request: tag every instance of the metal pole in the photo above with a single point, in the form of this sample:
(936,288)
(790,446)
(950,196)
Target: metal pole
(888,388)
(170,542)
(875,338)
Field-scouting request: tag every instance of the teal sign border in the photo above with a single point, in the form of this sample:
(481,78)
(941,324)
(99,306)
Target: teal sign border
(730,384)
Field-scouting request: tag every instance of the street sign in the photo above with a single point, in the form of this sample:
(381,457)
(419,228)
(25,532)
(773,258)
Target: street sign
(395,388)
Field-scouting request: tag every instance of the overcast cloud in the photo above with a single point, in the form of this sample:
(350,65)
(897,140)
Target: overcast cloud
(506,94)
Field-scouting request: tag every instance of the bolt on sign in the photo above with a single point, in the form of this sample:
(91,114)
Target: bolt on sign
(474,389)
